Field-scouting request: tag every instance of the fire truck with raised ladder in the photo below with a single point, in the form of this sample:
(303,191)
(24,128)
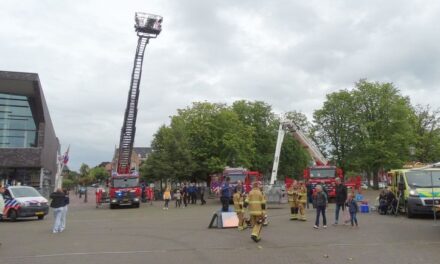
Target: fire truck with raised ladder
(320,173)
(124,182)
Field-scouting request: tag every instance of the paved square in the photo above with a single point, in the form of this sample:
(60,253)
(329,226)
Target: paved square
(153,235)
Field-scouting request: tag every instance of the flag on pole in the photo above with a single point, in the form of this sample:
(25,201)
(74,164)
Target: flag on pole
(66,156)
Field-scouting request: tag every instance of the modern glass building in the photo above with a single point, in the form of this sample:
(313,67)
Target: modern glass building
(28,144)
(17,125)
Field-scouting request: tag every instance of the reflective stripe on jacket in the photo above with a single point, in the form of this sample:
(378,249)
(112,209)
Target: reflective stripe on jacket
(292,195)
(238,202)
(256,201)
(302,195)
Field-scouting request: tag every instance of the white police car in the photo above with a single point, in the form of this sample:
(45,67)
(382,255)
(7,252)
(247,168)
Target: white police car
(24,201)
(2,206)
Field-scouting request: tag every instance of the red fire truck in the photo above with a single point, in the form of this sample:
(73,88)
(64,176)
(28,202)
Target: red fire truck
(243,175)
(324,175)
(124,183)
(321,173)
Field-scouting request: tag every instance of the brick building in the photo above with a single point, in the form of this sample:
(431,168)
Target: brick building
(138,156)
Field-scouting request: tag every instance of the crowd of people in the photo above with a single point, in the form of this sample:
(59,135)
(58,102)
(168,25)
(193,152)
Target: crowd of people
(184,194)
(255,203)
(300,195)
(344,201)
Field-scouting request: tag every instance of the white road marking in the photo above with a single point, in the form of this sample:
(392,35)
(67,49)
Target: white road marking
(67,254)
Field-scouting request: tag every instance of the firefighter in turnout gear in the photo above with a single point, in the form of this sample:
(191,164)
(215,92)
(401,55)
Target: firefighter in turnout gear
(256,208)
(302,201)
(293,195)
(238,199)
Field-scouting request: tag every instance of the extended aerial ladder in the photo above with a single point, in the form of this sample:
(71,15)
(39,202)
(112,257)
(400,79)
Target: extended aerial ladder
(303,140)
(125,189)
(147,26)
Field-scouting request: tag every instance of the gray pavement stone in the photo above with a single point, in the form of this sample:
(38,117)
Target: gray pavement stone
(153,235)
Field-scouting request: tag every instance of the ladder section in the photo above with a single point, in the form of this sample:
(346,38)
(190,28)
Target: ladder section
(305,142)
(129,124)
(276,159)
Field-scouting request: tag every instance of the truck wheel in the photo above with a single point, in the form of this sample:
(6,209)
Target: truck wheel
(112,206)
(408,211)
(136,205)
(40,217)
(12,215)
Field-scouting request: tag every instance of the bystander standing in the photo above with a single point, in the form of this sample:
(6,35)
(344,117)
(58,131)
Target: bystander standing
(57,203)
(320,202)
(353,209)
(65,209)
(225,195)
(185,194)
(341,198)
(167,197)
(178,197)
(202,191)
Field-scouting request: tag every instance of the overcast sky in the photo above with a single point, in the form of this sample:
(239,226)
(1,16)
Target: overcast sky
(289,54)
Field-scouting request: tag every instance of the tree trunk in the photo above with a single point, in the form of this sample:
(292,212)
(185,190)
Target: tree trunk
(376,179)
(368,178)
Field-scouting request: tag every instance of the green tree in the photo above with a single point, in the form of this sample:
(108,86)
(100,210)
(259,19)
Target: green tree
(216,138)
(201,139)
(73,176)
(98,174)
(159,164)
(385,127)
(171,157)
(293,159)
(427,129)
(368,129)
(300,119)
(259,116)
(84,170)
(68,183)
(336,128)
(84,173)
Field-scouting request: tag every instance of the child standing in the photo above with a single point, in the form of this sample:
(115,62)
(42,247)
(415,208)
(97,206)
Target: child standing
(178,197)
(352,209)
(167,197)
(320,202)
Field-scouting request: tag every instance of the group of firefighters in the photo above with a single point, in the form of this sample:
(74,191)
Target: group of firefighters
(297,198)
(255,203)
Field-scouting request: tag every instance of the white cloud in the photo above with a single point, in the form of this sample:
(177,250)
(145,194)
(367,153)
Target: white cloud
(286,53)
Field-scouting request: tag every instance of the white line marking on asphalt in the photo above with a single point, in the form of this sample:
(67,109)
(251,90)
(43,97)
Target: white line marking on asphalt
(93,253)
(67,254)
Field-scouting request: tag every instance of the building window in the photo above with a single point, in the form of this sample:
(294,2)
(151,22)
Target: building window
(22,176)
(17,125)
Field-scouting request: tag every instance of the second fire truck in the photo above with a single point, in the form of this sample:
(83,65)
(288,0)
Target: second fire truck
(321,172)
